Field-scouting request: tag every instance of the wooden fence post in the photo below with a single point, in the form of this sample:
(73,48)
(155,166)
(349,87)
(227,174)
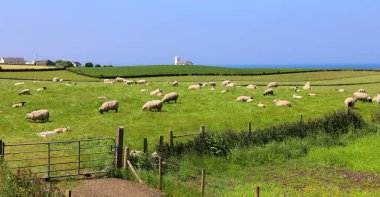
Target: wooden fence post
(145,145)
(126,157)
(160,172)
(203,181)
(257,191)
(202,131)
(249,129)
(171,138)
(1,150)
(119,147)
(161,140)
(68,193)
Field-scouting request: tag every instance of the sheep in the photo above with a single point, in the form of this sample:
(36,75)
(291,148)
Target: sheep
(212,83)
(142,81)
(359,96)
(42,114)
(362,91)
(223,91)
(55,79)
(297,96)
(24,92)
(244,98)
(307,86)
(119,79)
(172,96)
(312,94)
(175,83)
(268,92)
(62,130)
(349,102)
(55,131)
(231,85)
(225,82)
(194,87)
(19,105)
(111,105)
(376,99)
(204,84)
(282,103)
(251,86)
(109,81)
(136,153)
(272,85)
(60,80)
(19,83)
(157,92)
(154,104)
(261,104)
(41,89)
(212,87)
(249,100)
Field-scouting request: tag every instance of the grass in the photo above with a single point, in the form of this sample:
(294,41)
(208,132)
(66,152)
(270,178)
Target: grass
(162,70)
(13,67)
(45,75)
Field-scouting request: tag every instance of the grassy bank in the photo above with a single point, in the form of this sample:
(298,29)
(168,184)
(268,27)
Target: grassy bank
(45,76)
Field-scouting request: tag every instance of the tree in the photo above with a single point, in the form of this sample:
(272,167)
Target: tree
(89,64)
(64,64)
(97,65)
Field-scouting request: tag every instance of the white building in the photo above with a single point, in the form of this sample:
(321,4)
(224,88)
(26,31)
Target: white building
(76,64)
(178,61)
(12,60)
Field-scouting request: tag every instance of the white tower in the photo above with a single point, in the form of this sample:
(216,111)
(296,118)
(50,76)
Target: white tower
(176,59)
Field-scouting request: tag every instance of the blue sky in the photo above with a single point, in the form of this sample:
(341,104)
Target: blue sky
(208,32)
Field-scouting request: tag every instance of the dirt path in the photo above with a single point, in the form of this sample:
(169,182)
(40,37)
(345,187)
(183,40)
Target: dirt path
(113,188)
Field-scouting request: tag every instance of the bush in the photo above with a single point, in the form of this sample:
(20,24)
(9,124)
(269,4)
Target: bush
(89,64)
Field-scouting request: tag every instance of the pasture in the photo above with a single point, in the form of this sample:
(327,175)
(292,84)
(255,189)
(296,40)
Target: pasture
(15,67)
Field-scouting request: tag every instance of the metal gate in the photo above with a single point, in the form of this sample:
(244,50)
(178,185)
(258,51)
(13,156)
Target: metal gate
(60,158)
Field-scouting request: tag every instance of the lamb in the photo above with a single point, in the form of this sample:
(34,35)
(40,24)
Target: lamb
(55,79)
(297,96)
(56,131)
(349,102)
(157,92)
(24,92)
(41,89)
(111,105)
(62,130)
(312,94)
(19,83)
(225,82)
(251,86)
(244,98)
(307,86)
(231,85)
(249,100)
(362,91)
(128,82)
(18,105)
(154,104)
(142,81)
(268,92)
(172,96)
(272,85)
(119,79)
(359,96)
(282,103)
(195,87)
(175,83)
(42,114)
(261,104)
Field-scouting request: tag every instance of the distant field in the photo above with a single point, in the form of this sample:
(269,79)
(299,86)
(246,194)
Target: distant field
(45,75)
(163,70)
(7,67)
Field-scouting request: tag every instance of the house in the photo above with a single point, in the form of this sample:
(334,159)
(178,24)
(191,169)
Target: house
(44,63)
(76,64)
(178,61)
(12,60)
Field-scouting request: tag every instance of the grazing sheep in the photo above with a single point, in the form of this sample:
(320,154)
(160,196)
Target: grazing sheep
(268,92)
(244,98)
(157,92)
(362,91)
(175,83)
(55,79)
(42,114)
(24,92)
(111,105)
(172,96)
(307,86)
(41,89)
(195,87)
(225,82)
(312,94)
(340,90)
(154,104)
(231,85)
(119,79)
(349,102)
(142,81)
(223,91)
(19,105)
(282,103)
(261,104)
(251,86)
(297,96)
(19,83)
(272,85)
(359,96)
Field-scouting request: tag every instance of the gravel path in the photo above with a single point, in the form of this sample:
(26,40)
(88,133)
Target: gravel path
(113,188)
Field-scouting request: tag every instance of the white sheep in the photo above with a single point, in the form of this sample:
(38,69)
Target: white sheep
(175,83)
(42,114)
(268,92)
(307,86)
(261,104)
(55,79)
(119,79)
(24,92)
(251,86)
(19,105)
(172,96)
(223,91)
(194,87)
(359,96)
(362,90)
(282,103)
(19,83)
(312,94)
(109,81)
(41,89)
(111,105)
(62,130)
(272,85)
(142,81)
(212,83)
(128,82)
(154,104)
(349,102)
(297,96)
(231,85)
(244,98)
(225,82)
(157,92)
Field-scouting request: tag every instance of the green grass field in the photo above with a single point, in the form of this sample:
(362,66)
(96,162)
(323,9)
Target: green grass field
(76,107)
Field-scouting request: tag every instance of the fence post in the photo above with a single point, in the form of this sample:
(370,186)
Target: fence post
(249,129)
(202,130)
(161,140)
(301,122)
(119,147)
(171,138)
(203,181)
(145,145)
(48,167)
(68,193)
(257,191)
(1,150)
(79,157)
(160,172)
(126,157)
